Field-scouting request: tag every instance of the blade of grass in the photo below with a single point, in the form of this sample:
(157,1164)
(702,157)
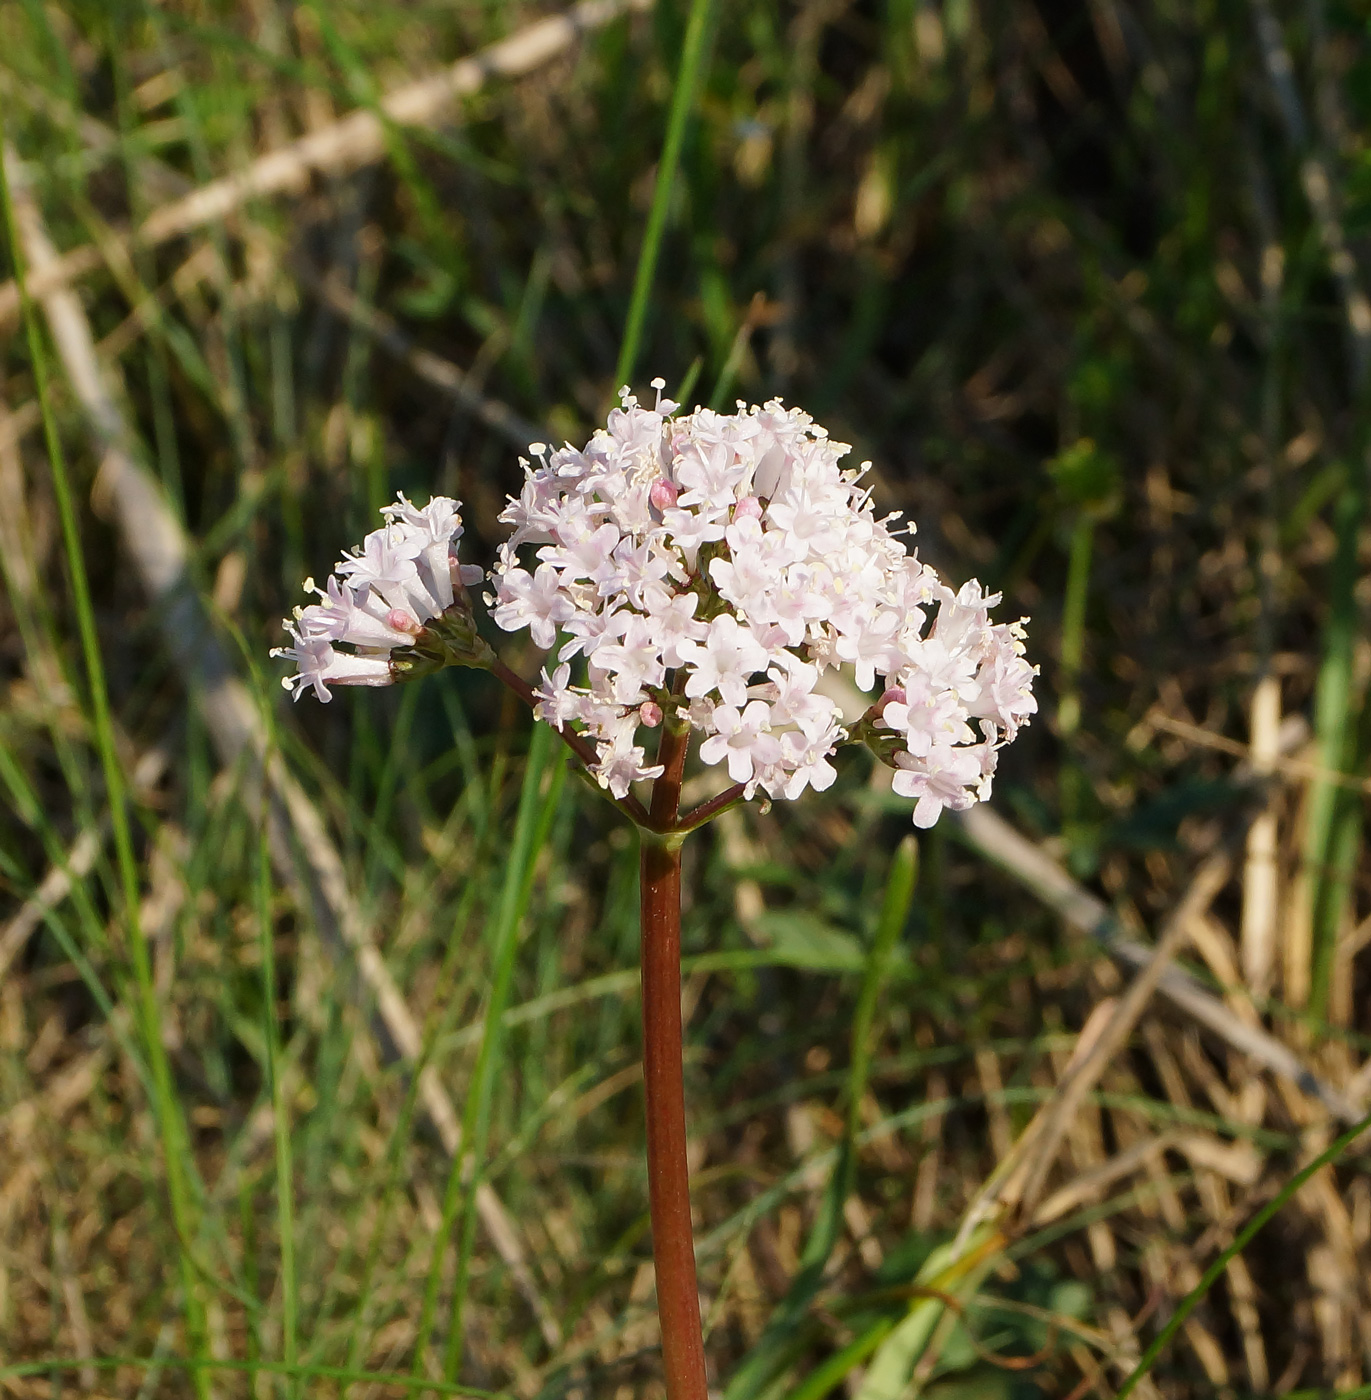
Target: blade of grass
(682,103)
(26,804)
(1333,724)
(948,1271)
(530,833)
(504,945)
(427,202)
(1245,1236)
(171,1129)
(400,1136)
(836,1369)
(343,146)
(285,1176)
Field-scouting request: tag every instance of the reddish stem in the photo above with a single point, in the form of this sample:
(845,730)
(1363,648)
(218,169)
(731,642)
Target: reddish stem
(707,811)
(673,1247)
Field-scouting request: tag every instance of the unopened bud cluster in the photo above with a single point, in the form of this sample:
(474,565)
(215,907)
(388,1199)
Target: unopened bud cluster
(399,608)
(702,570)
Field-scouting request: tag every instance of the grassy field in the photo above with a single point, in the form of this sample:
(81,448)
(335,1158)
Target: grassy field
(1088,283)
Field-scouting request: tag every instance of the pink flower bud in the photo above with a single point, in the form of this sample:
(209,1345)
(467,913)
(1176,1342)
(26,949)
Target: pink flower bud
(663,494)
(894,696)
(401,621)
(749,506)
(650,712)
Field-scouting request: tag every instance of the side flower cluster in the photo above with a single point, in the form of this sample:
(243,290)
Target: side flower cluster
(396,605)
(709,568)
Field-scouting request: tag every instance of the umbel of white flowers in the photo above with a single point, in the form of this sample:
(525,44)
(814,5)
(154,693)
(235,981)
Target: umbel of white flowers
(703,569)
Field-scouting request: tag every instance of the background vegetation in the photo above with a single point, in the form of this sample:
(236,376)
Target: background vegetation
(1086,282)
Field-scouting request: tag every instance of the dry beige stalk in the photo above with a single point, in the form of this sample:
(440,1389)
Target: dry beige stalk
(75,1302)
(71,1086)
(924,1208)
(997,1115)
(1297,944)
(1015,1188)
(1301,770)
(79,862)
(1085,1143)
(1260,871)
(1216,1164)
(1089,1185)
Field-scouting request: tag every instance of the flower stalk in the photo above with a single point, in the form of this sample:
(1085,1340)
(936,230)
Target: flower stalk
(673,1246)
(673,1241)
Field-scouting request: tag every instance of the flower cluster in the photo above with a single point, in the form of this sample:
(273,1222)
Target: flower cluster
(709,568)
(398,607)
(702,571)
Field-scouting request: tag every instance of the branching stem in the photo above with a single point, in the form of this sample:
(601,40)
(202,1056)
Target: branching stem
(707,811)
(585,752)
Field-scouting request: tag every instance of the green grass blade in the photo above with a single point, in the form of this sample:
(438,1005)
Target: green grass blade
(1333,724)
(831,1373)
(285,1174)
(476,1116)
(682,102)
(392,1174)
(1245,1236)
(531,831)
(950,1269)
(899,895)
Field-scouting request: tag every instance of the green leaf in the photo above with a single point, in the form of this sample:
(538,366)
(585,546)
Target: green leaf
(800,939)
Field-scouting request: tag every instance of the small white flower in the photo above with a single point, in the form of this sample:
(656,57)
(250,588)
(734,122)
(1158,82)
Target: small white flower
(535,601)
(743,739)
(389,591)
(725,660)
(621,763)
(557,703)
(674,624)
(947,777)
(319,665)
(635,662)
(806,762)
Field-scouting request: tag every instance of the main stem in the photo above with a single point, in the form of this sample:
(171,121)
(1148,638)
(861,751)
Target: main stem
(673,1248)
(673,1245)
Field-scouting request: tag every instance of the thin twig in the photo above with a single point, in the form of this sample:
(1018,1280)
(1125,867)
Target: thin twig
(1289,767)
(707,811)
(1024,1187)
(433,369)
(578,744)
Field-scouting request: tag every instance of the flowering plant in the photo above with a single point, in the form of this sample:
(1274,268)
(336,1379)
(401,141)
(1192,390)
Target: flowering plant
(703,574)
